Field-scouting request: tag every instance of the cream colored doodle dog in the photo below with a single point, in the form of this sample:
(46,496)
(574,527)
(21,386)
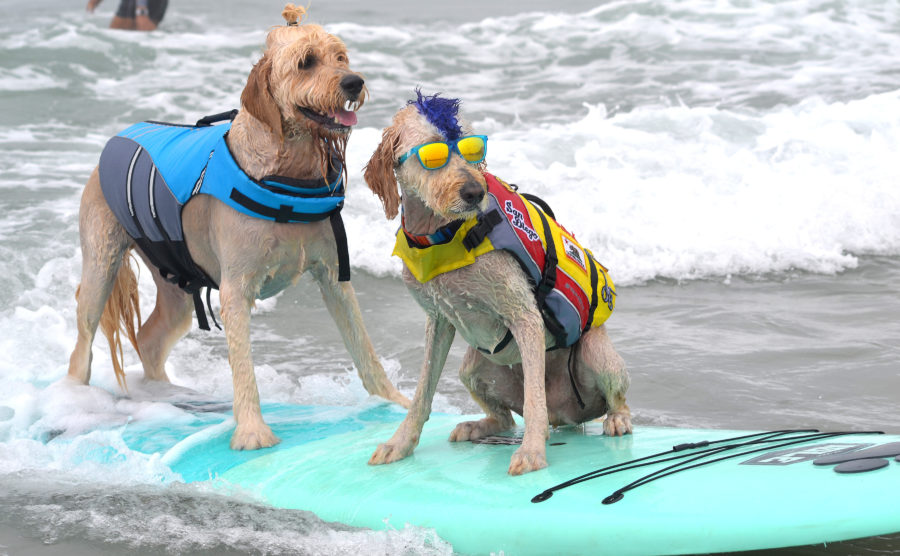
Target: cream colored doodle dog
(531,312)
(254,209)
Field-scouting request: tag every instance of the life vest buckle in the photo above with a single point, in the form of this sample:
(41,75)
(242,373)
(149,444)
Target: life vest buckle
(486,223)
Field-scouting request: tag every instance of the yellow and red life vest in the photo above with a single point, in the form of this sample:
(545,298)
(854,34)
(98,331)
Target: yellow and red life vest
(573,291)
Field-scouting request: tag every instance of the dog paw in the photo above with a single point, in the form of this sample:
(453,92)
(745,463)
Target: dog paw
(617,424)
(525,461)
(253,437)
(389,453)
(473,430)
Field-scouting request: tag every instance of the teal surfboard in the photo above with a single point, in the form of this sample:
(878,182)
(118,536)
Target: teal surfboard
(718,491)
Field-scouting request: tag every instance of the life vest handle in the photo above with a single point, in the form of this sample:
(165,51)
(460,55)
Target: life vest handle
(206,121)
(539,202)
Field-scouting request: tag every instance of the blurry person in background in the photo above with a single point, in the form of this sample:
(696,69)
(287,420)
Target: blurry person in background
(142,15)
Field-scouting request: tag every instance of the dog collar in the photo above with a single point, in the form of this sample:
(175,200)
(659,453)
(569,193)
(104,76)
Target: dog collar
(441,235)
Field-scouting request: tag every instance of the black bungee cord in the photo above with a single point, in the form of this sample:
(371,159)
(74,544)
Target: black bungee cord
(767,438)
(681,466)
(642,461)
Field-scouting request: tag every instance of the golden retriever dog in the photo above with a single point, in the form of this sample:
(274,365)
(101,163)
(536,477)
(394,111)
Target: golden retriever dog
(513,363)
(297,110)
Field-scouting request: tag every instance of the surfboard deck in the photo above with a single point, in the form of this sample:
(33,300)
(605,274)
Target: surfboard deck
(772,497)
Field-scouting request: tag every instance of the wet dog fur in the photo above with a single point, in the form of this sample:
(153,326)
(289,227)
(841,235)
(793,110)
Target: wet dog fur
(288,108)
(481,302)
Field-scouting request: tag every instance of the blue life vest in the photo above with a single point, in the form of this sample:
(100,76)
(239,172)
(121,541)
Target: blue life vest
(149,171)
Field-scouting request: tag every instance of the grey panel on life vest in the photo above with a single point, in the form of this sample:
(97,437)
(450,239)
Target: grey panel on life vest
(117,164)
(115,161)
(566,315)
(503,236)
(140,195)
(168,209)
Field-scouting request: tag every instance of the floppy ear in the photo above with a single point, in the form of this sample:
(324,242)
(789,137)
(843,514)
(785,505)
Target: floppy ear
(379,172)
(257,98)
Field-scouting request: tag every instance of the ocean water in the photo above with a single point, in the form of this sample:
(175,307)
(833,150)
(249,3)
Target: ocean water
(732,162)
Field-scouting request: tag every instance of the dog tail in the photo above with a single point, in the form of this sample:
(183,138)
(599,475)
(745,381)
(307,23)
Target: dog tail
(120,314)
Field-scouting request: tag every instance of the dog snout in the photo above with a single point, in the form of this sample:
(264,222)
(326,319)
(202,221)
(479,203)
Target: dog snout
(471,192)
(352,85)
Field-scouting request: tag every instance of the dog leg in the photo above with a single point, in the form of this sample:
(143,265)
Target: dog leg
(169,321)
(474,374)
(528,332)
(251,431)
(103,245)
(340,298)
(438,337)
(597,355)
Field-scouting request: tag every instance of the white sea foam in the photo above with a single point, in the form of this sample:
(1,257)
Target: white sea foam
(26,78)
(683,192)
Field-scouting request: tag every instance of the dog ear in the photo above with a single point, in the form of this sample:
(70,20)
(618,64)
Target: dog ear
(379,172)
(257,98)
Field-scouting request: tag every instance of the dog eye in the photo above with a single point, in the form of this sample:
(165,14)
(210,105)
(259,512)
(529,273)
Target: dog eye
(341,58)
(307,62)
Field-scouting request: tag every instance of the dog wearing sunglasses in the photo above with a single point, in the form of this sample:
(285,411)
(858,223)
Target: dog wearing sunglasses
(468,271)
(298,107)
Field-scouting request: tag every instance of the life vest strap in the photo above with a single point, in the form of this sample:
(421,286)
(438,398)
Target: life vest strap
(571,367)
(343,252)
(330,185)
(500,345)
(486,223)
(547,283)
(594,279)
(283,214)
(201,311)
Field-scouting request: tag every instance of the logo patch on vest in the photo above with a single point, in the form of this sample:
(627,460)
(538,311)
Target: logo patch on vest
(518,220)
(574,252)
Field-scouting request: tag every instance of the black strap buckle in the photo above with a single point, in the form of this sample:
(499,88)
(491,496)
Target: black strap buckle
(486,223)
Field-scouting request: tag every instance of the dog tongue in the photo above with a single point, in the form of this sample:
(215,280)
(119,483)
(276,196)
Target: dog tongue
(346,117)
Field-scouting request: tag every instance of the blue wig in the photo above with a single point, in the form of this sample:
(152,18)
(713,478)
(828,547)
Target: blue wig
(441,112)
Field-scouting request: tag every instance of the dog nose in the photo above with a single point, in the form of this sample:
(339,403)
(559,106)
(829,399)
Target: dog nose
(471,192)
(352,84)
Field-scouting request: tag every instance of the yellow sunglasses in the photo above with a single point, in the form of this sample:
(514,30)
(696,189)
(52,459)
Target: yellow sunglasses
(432,156)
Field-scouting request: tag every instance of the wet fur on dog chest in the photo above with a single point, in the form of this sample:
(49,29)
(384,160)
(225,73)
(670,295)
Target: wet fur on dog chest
(477,311)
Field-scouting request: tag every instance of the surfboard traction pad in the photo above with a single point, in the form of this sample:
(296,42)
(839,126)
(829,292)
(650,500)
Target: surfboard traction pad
(862,460)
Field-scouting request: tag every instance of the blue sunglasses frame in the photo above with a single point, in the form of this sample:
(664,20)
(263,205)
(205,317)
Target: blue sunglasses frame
(451,146)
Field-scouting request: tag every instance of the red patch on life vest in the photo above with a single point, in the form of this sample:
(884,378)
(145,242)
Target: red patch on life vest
(515,211)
